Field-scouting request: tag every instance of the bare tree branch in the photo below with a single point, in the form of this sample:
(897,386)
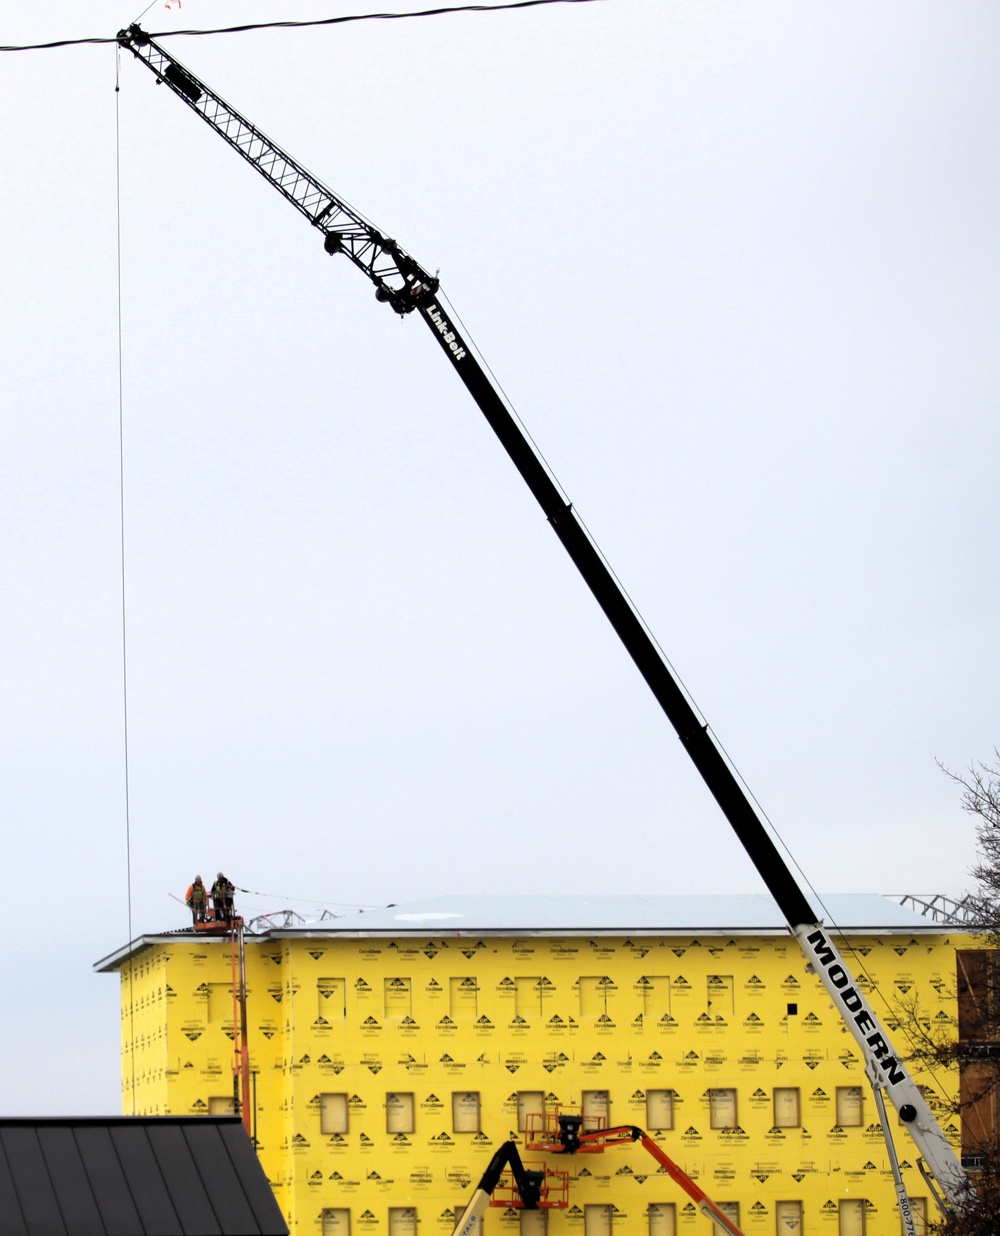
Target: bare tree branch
(976,1048)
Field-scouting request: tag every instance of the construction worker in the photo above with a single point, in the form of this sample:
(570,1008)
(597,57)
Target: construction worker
(229,890)
(222,897)
(197,900)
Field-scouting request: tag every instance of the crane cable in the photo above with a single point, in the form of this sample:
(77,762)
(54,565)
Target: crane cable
(121,529)
(297,25)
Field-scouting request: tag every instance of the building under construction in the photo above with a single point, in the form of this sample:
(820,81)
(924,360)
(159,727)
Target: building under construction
(388,1053)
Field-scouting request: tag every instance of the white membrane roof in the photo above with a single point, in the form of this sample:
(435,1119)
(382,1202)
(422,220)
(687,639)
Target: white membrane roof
(552,914)
(571,914)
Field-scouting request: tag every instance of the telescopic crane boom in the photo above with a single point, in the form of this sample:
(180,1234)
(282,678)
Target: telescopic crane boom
(403,284)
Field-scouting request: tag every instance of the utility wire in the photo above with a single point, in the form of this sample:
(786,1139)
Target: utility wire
(336,21)
(297,25)
(57,43)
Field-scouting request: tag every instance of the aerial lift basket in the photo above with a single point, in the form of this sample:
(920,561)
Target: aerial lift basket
(554,1193)
(557,1131)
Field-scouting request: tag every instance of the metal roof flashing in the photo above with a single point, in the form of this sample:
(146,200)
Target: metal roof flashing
(113,961)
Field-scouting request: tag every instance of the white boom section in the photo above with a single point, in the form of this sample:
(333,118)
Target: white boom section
(882,1063)
(476,1208)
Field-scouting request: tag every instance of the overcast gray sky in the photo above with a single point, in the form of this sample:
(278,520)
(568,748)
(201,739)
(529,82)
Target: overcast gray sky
(736,266)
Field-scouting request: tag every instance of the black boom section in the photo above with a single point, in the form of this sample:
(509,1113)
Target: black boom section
(707,758)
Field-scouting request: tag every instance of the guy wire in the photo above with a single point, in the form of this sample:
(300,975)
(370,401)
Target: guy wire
(121,528)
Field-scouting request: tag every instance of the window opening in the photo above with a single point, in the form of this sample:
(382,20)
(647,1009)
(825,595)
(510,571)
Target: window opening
(597,1220)
(596,994)
(398,997)
(721,999)
(851,1217)
(331,996)
(788,1218)
(662,1219)
(787,1107)
(850,1106)
(534,1222)
(722,1109)
(398,1113)
(595,1107)
(336,1221)
(531,995)
(220,1004)
(530,1103)
(732,1211)
(659,1109)
(465,1112)
(463,998)
(402,1221)
(333,1113)
(655,997)
(918,1209)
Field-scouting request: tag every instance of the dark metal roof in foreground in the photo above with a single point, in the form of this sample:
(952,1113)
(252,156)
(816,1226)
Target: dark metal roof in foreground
(133,1176)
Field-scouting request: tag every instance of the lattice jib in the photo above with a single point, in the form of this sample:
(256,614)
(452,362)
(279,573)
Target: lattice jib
(398,279)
